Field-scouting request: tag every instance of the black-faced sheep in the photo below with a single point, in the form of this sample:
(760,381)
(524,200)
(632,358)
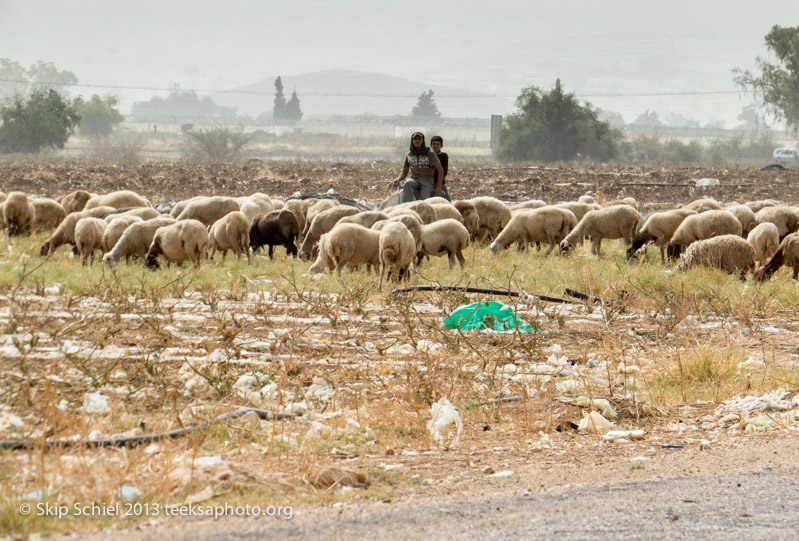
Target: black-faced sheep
(546,224)
(708,224)
(186,239)
(231,232)
(729,253)
(658,228)
(448,237)
(616,222)
(321,224)
(765,239)
(18,213)
(276,228)
(136,239)
(786,254)
(89,237)
(397,250)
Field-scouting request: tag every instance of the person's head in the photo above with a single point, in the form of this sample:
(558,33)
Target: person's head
(417,143)
(436,142)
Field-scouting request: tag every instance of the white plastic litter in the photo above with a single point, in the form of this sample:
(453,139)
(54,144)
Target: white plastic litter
(444,414)
(245,381)
(614,435)
(703,182)
(599,404)
(594,423)
(95,403)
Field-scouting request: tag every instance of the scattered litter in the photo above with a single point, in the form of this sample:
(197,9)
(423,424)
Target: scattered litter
(628,435)
(600,404)
(504,473)
(207,461)
(95,403)
(245,381)
(444,413)
(594,423)
(485,315)
(704,182)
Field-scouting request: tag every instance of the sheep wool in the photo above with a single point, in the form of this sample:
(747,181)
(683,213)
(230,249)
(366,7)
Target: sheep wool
(730,253)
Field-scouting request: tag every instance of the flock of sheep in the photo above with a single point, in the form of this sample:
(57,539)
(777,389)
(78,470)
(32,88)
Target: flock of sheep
(125,225)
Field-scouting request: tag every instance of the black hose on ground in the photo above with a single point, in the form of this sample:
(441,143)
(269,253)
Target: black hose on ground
(16,445)
(464,289)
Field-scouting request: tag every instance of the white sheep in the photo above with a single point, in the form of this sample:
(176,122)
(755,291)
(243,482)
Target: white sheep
(186,239)
(119,200)
(705,225)
(494,216)
(180,205)
(745,216)
(659,228)
(546,224)
(114,230)
(367,218)
(321,224)
(422,208)
(295,207)
(471,218)
(396,250)
(702,205)
(615,222)
(209,210)
(18,213)
(89,237)
(759,205)
(765,239)
(348,244)
(729,253)
(579,209)
(447,210)
(448,237)
(145,213)
(136,239)
(47,214)
(786,254)
(528,205)
(254,205)
(65,232)
(414,225)
(783,216)
(74,201)
(313,208)
(231,232)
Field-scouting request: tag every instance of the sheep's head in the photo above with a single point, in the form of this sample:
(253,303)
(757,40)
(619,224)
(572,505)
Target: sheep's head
(566,246)
(45,249)
(497,247)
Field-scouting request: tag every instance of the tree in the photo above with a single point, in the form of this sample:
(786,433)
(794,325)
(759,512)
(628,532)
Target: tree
(14,79)
(648,119)
(293,111)
(218,144)
(426,106)
(98,116)
(777,86)
(553,126)
(279,108)
(45,119)
(181,107)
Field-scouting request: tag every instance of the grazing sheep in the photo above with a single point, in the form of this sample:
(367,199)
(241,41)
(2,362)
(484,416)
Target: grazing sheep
(180,205)
(708,224)
(579,209)
(436,201)
(413,224)
(316,207)
(757,206)
(278,227)
(89,237)
(448,237)
(186,239)
(546,224)
(255,205)
(659,228)
(396,250)
(702,205)
(494,216)
(786,254)
(422,208)
(209,210)
(277,204)
(145,213)
(366,218)
(783,216)
(346,244)
(119,200)
(528,205)
(626,201)
(745,216)
(47,214)
(231,232)
(447,210)
(136,239)
(729,253)
(400,211)
(587,198)
(321,224)
(74,201)
(296,208)
(471,219)
(2,196)
(765,239)
(18,214)
(65,232)
(114,231)
(616,222)
(2,219)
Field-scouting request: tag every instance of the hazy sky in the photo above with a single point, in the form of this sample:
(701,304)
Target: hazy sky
(645,50)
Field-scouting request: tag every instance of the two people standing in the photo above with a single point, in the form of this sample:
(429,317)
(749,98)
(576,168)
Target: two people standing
(427,170)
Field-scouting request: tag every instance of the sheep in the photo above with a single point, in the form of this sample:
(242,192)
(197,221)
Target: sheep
(396,250)
(413,224)
(277,204)
(446,236)
(321,224)
(47,214)
(145,213)
(119,199)
(745,216)
(528,205)
(436,200)
(180,205)
(114,231)
(587,198)
(278,227)
(447,210)
(2,220)
(546,224)
(345,244)
(255,205)
(708,224)
(757,206)
(616,222)
(787,254)
(186,239)
(74,201)
(136,239)
(65,232)
(494,216)
(295,207)
(89,237)
(783,216)
(208,210)
(231,232)
(317,206)
(366,219)
(702,205)
(579,209)
(400,211)
(729,253)
(422,208)
(18,213)
(765,239)
(471,219)
(659,228)
(625,201)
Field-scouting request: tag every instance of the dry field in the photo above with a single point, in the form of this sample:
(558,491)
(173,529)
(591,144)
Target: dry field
(107,352)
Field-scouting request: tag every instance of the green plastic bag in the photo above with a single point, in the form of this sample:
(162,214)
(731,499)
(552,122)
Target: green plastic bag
(485,315)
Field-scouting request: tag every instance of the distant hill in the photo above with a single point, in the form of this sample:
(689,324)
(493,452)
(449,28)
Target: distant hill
(349,92)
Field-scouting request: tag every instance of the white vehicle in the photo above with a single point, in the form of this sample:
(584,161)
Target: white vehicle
(786,154)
